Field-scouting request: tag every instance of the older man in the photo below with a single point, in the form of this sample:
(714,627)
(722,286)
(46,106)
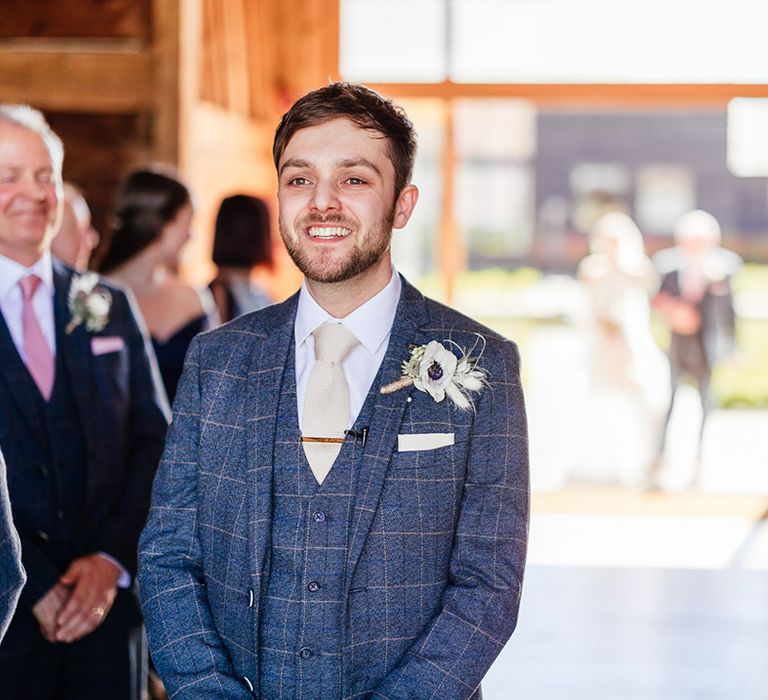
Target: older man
(82,421)
(342,508)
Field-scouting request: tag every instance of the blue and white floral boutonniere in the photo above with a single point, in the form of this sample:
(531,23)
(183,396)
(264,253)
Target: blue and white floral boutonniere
(89,304)
(434,369)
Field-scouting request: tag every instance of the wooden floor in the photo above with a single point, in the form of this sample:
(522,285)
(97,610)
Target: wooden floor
(638,597)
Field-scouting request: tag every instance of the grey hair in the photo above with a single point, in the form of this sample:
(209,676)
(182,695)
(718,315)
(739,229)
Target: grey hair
(32,119)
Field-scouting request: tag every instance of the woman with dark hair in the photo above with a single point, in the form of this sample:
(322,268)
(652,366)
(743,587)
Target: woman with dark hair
(151,225)
(242,241)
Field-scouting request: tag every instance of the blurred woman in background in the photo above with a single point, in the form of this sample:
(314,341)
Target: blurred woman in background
(151,225)
(242,242)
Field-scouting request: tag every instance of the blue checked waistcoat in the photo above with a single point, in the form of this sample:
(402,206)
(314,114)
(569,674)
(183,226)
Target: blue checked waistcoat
(434,553)
(301,629)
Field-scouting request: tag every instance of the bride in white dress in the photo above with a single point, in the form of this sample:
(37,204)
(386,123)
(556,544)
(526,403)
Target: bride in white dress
(627,374)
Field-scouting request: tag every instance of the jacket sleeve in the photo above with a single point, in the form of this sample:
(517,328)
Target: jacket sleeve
(185,646)
(147,421)
(12,575)
(480,604)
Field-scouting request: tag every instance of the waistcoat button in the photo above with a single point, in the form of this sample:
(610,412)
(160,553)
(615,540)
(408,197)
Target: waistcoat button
(305,653)
(247,681)
(319,517)
(313,586)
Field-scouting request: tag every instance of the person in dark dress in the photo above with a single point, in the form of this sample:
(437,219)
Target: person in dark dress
(151,226)
(242,243)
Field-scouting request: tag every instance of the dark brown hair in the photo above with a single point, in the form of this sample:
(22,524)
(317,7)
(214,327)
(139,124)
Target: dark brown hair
(242,236)
(362,106)
(147,200)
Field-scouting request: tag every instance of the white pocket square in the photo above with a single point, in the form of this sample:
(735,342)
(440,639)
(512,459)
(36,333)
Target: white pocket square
(102,344)
(423,441)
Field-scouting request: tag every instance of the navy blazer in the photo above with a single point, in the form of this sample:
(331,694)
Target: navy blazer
(12,575)
(123,414)
(438,541)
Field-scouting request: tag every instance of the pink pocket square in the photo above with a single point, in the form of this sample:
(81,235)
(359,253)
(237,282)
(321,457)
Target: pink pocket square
(101,345)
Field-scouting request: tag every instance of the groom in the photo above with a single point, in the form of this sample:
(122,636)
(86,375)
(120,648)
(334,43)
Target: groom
(326,522)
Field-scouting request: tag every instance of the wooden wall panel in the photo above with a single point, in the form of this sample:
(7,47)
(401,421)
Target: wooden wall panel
(124,19)
(98,150)
(106,74)
(78,81)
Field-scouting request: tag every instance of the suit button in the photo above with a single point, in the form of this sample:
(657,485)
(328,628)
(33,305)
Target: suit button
(319,517)
(43,471)
(250,597)
(43,535)
(306,653)
(60,514)
(313,586)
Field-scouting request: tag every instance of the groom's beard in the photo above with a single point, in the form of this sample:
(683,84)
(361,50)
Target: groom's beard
(322,267)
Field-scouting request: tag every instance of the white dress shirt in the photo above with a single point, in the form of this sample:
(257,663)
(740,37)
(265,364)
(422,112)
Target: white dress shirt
(11,301)
(371,324)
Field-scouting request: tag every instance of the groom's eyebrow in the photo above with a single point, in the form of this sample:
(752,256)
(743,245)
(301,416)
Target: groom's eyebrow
(358,163)
(294,163)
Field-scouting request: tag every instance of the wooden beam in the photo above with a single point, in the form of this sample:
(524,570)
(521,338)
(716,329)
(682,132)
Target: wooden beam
(670,95)
(72,81)
(166,55)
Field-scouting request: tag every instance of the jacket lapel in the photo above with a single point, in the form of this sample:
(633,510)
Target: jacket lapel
(19,383)
(386,418)
(266,366)
(73,348)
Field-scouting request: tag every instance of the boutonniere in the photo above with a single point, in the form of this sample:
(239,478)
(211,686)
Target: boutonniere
(88,303)
(436,370)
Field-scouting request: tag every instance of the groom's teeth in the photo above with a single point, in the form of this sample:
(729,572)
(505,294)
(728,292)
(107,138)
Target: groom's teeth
(327,232)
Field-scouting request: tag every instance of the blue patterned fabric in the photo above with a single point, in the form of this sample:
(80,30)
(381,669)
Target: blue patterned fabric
(435,552)
(12,574)
(301,631)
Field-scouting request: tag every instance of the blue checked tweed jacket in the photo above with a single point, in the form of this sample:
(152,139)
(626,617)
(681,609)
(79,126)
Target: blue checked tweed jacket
(438,538)
(12,574)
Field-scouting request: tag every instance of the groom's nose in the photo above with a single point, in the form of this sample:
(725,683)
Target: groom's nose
(325,196)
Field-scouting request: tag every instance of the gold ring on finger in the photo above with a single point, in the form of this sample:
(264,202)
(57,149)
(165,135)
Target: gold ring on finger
(99,612)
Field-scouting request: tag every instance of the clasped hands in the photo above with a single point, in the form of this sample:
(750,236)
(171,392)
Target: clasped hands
(79,601)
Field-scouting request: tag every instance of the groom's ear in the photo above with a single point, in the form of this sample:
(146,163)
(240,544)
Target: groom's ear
(404,205)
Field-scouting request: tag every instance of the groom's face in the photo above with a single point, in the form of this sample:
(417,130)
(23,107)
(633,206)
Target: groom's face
(337,201)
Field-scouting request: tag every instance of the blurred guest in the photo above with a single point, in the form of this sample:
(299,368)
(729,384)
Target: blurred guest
(242,241)
(628,375)
(82,424)
(12,575)
(696,301)
(76,238)
(152,220)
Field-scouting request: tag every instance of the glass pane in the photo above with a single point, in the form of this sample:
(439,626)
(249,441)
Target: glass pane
(494,210)
(748,137)
(414,247)
(663,194)
(393,40)
(609,41)
(495,129)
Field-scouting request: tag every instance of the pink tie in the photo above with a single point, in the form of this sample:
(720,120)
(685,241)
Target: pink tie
(39,357)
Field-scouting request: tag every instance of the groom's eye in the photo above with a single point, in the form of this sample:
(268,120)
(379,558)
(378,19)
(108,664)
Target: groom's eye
(298,181)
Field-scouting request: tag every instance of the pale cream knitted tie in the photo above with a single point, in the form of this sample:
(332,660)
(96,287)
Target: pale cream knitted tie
(326,404)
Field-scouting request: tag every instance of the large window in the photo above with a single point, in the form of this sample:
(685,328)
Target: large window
(557,41)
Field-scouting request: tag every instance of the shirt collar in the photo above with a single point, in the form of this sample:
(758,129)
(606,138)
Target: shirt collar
(371,323)
(11,272)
